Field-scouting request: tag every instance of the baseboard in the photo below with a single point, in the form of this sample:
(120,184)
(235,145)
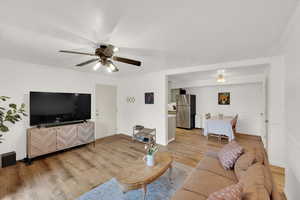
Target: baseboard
(171,140)
(110,136)
(255,137)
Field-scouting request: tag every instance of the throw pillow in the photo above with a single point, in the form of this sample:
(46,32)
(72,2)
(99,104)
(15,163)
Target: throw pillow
(233,192)
(229,154)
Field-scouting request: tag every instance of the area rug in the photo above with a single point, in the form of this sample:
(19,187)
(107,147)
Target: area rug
(161,189)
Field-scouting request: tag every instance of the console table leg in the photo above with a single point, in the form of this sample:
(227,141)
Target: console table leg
(145,192)
(28,161)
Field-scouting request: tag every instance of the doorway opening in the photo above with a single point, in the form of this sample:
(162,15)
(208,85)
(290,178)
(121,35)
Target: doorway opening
(105,110)
(246,86)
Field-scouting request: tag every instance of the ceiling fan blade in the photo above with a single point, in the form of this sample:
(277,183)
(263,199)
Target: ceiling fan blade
(87,62)
(76,52)
(126,60)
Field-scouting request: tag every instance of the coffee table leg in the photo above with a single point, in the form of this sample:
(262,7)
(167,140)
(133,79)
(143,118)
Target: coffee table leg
(170,173)
(145,191)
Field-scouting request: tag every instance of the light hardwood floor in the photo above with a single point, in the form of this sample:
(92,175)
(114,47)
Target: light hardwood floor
(69,174)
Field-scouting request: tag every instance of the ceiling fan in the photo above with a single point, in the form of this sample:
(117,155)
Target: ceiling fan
(105,56)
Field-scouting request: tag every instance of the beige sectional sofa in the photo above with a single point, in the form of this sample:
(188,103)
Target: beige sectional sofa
(210,176)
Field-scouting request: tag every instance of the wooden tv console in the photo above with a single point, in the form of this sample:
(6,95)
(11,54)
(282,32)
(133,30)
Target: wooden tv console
(41,141)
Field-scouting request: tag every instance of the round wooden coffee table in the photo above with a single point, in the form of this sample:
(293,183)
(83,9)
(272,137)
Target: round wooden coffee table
(139,175)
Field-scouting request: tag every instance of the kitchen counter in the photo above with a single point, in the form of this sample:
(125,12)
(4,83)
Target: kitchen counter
(171,127)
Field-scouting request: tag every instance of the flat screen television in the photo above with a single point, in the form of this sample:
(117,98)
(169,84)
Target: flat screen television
(49,108)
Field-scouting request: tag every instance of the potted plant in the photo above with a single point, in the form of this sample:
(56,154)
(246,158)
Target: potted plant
(9,113)
(151,149)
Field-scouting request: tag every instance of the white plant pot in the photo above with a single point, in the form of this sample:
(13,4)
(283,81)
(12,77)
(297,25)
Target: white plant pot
(150,160)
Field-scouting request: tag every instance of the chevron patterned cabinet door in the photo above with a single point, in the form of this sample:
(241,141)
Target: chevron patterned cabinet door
(67,136)
(86,132)
(42,141)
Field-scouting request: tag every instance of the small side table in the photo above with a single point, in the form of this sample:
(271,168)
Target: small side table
(144,135)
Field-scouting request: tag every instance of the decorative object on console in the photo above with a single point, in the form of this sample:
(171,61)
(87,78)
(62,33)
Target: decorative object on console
(229,154)
(10,113)
(149,98)
(224,98)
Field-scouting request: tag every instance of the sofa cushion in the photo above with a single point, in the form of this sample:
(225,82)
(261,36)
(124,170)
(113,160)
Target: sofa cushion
(268,179)
(257,183)
(213,165)
(229,154)
(213,154)
(243,163)
(255,193)
(259,155)
(204,182)
(232,192)
(185,194)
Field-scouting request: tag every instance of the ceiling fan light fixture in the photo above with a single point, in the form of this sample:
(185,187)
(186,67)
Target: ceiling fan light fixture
(97,66)
(115,49)
(221,78)
(109,70)
(110,67)
(105,55)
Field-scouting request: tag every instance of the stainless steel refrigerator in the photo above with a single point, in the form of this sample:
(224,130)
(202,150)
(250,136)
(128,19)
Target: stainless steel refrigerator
(186,111)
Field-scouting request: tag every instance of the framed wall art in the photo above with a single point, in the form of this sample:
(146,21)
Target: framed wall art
(149,98)
(224,98)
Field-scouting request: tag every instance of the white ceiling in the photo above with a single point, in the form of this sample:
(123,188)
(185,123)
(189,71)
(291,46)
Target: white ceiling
(161,33)
(213,74)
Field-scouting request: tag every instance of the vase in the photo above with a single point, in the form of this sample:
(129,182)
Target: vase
(150,160)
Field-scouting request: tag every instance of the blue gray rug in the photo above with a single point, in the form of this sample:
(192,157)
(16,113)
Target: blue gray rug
(161,189)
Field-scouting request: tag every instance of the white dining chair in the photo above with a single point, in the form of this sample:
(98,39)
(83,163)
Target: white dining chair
(233,123)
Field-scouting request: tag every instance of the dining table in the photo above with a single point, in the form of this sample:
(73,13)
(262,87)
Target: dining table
(220,126)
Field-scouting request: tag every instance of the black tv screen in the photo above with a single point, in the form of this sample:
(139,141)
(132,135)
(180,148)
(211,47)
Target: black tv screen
(47,108)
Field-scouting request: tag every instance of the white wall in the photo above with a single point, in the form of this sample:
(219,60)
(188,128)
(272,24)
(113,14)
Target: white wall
(291,51)
(245,100)
(18,78)
(139,113)
(258,78)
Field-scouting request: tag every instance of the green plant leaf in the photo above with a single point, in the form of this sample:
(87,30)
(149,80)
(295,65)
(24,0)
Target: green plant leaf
(4,98)
(3,128)
(11,114)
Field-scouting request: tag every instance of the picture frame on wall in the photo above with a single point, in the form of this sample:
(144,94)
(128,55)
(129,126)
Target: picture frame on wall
(149,98)
(224,98)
